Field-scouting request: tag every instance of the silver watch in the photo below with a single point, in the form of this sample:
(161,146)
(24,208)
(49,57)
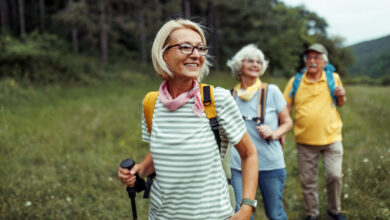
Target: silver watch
(249,202)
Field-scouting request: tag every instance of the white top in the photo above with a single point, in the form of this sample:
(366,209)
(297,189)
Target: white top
(190,182)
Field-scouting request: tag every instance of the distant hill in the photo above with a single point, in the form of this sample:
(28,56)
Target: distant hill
(372,58)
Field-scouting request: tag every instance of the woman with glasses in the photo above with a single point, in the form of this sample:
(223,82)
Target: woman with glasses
(190,182)
(266,124)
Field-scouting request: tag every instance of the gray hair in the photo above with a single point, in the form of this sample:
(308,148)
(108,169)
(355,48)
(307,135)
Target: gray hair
(248,51)
(160,43)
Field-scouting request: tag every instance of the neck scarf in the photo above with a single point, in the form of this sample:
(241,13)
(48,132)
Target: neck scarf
(173,104)
(248,93)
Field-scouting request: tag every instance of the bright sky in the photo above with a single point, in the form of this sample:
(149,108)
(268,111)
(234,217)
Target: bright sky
(354,20)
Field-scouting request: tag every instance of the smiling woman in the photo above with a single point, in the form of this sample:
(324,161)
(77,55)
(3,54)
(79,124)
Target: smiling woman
(190,182)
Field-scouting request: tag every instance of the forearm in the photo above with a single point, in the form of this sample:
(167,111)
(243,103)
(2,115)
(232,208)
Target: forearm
(285,123)
(249,167)
(146,166)
(281,130)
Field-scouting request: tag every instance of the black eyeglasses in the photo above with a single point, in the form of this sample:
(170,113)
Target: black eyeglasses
(189,49)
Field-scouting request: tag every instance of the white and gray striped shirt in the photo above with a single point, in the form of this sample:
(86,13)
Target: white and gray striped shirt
(190,182)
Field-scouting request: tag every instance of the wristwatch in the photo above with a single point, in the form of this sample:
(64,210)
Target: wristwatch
(249,202)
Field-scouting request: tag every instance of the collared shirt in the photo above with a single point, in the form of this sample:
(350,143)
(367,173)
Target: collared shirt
(317,121)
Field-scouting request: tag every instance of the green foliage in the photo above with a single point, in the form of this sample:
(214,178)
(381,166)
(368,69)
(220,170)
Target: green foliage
(372,58)
(60,148)
(43,59)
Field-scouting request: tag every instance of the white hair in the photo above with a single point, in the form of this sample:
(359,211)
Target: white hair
(160,43)
(248,51)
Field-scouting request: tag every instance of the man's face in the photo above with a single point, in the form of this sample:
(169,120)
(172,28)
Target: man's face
(315,62)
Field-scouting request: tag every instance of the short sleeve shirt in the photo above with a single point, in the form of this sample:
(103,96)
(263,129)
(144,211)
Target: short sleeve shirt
(317,121)
(270,155)
(190,182)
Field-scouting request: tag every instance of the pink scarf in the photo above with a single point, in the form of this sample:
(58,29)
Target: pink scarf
(173,104)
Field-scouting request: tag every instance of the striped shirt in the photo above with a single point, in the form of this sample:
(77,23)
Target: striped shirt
(190,182)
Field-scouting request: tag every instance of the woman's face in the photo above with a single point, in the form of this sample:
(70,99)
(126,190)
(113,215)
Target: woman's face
(184,65)
(251,67)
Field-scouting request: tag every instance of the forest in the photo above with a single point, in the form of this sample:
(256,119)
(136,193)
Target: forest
(72,41)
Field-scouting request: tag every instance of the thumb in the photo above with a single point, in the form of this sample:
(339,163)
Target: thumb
(135,169)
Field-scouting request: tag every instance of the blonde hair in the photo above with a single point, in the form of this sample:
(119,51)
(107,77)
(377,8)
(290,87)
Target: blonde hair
(249,51)
(161,41)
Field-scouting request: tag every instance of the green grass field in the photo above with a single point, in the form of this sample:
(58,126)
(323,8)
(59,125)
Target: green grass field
(60,148)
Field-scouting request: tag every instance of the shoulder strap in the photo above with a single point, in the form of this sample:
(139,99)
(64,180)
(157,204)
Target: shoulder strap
(329,70)
(149,103)
(207,93)
(297,81)
(262,101)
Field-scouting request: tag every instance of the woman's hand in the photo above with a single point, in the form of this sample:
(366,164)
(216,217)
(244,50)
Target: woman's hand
(128,177)
(265,132)
(245,212)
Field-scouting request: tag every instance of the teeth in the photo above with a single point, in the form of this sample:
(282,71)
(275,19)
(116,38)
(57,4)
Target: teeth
(191,64)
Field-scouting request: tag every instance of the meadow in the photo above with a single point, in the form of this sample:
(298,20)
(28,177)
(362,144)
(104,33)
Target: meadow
(60,148)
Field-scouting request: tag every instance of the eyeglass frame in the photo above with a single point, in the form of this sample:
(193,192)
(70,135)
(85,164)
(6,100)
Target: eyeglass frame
(193,48)
(253,61)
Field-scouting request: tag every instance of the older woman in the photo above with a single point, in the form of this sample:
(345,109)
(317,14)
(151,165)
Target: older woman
(247,66)
(190,183)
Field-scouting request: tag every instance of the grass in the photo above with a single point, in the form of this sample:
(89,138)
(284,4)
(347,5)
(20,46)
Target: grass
(60,148)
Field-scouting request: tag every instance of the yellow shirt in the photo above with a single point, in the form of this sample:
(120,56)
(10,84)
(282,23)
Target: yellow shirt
(317,121)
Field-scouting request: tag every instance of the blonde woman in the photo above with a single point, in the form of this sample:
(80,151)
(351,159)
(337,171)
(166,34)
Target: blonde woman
(190,182)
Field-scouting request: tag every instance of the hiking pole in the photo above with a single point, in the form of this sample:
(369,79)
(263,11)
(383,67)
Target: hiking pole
(138,187)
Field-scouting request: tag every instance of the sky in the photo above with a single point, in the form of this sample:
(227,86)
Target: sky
(354,20)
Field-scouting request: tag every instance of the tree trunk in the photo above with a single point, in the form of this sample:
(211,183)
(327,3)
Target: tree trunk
(142,34)
(4,14)
(22,29)
(212,23)
(103,34)
(186,7)
(42,15)
(75,41)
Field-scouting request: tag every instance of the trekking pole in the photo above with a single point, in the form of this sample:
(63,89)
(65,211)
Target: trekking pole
(138,187)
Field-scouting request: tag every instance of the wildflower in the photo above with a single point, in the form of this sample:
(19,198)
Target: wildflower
(382,157)
(365,160)
(52,197)
(110,179)
(346,196)
(28,203)
(63,167)
(68,199)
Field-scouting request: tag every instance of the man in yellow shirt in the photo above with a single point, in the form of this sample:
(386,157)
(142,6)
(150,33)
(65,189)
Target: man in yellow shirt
(317,131)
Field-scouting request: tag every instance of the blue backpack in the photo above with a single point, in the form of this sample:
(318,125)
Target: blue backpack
(329,70)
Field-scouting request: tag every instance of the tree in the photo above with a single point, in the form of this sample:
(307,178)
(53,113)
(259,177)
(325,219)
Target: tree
(22,28)
(42,15)
(4,15)
(103,33)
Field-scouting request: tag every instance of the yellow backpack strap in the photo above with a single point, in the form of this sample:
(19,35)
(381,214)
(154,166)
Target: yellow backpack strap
(207,93)
(149,103)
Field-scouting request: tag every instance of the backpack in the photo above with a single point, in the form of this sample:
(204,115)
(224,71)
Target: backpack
(207,93)
(261,109)
(329,70)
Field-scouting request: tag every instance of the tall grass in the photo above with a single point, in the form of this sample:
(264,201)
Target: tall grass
(60,148)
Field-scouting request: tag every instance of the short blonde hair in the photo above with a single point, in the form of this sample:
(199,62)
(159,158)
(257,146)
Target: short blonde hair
(249,51)
(161,41)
